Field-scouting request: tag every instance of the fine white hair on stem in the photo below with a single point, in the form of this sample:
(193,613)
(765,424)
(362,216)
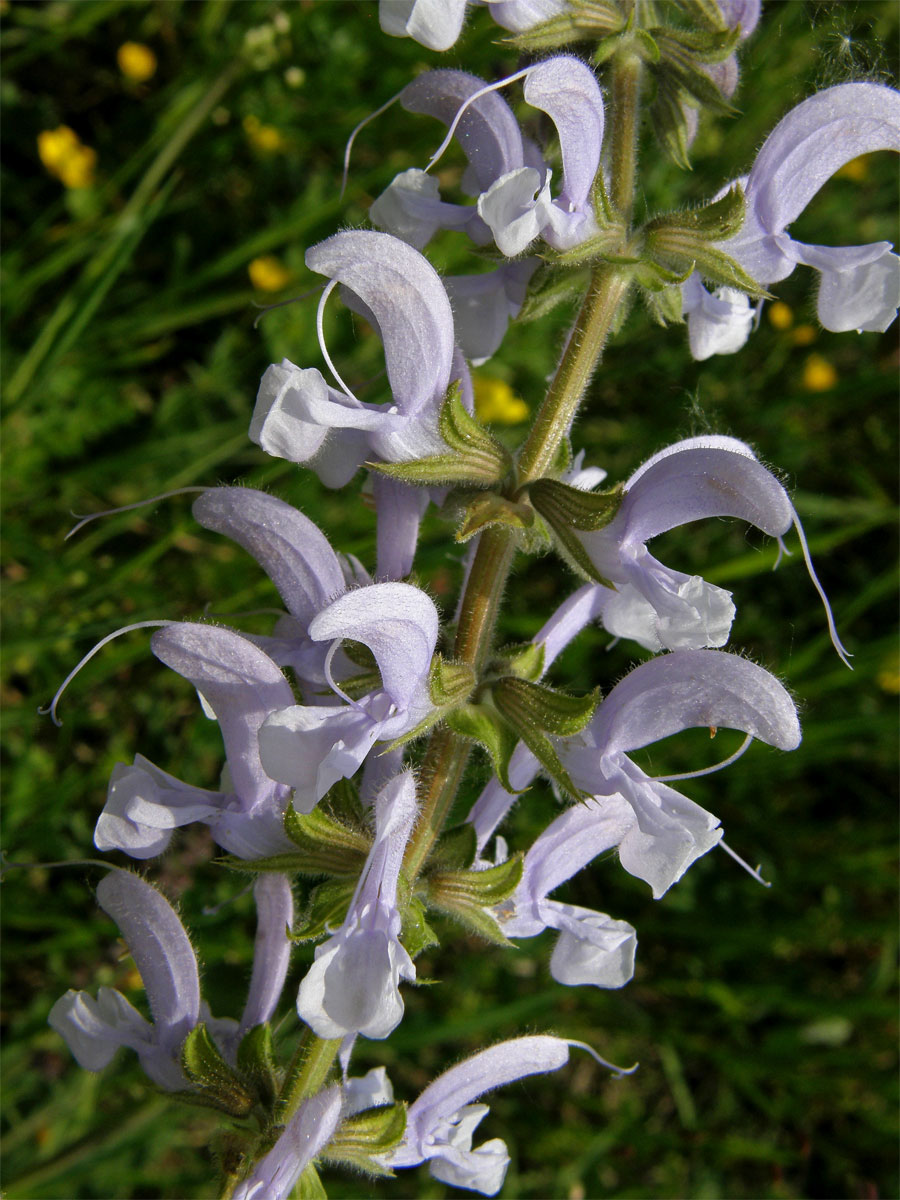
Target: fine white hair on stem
(110,512)
(51,707)
(490,87)
(753,872)
(321,335)
(352,138)
(726,762)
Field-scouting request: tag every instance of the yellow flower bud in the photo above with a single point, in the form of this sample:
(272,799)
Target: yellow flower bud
(268,274)
(137,62)
(818,374)
(66,157)
(496,402)
(780,315)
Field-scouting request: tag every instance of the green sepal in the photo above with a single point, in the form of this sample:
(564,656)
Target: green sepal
(688,47)
(609,46)
(549,288)
(212,1077)
(705,13)
(449,682)
(601,202)
(682,250)
(519,711)
(684,73)
(669,121)
(309,1186)
(605,245)
(477,458)
(484,725)
(366,1134)
(525,661)
(256,1063)
(653,277)
(665,305)
(466,895)
(713,222)
(326,910)
(327,846)
(455,849)
(551,711)
(548,35)
(416,934)
(289,863)
(483,511)
(587,511)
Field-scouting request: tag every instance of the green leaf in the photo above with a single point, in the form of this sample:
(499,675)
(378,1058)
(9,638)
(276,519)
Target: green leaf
(484,511)
(310,1186)
(455,849)
(477,458)
(551,711)
(367,1134)
(211,1075)
(559,502)
(449,682)
(256,1063)
(327,908)
(416,934)
(484,725)
(466,896)
(713,222)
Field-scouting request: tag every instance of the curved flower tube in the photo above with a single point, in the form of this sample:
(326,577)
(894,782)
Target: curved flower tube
(860,286)
(95,1029)
(242,686)
(353,985)
(685,689)
(310,748)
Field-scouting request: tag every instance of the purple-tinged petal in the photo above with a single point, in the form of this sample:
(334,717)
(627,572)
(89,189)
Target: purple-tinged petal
(694,688)
(400,507)
(567,90)
(516,207)
(242,686)
(582,607)
(311,748)
(271,950)
(399,624)
(371,1090)
(813,141)
(432,23)
(95,1029)
(860,287)
(718,322)
(144,805)
(743,13)
(307,1133)
(411,209)
(495,801)
(293,552)
(160,948)
(468,1080)
(519,15)
(410,306)
(488,132)
(592,948)
(484,304)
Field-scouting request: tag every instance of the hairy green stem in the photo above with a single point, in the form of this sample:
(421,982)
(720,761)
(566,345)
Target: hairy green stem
(625,90)
(308,1071)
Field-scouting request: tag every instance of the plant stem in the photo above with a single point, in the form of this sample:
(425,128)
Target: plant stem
(626,92)
(308,1071)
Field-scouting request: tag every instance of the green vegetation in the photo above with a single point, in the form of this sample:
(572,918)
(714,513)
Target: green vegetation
(762,1019)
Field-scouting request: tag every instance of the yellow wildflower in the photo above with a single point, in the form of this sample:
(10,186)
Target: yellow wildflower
(888,678)
(856,169)
(66,157)
(266,138)
(780,315)
(268,274)
(818,374)
(804,335)
(137,62)
(496,402)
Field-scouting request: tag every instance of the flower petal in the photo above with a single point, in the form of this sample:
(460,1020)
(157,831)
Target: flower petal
(567,90)
(272,948)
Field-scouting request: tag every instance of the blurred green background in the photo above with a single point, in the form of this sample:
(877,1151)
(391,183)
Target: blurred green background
(136,248)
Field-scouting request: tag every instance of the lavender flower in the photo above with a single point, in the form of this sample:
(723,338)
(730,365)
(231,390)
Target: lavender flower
(353,985)
(305,1135)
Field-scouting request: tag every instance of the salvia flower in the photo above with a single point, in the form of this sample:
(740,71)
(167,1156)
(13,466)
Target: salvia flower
(311,747)
(307,1133)
(860,285)
(677,691)
(511,183)
(353,985)
(240,685)
(440,1124)
(438,23)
